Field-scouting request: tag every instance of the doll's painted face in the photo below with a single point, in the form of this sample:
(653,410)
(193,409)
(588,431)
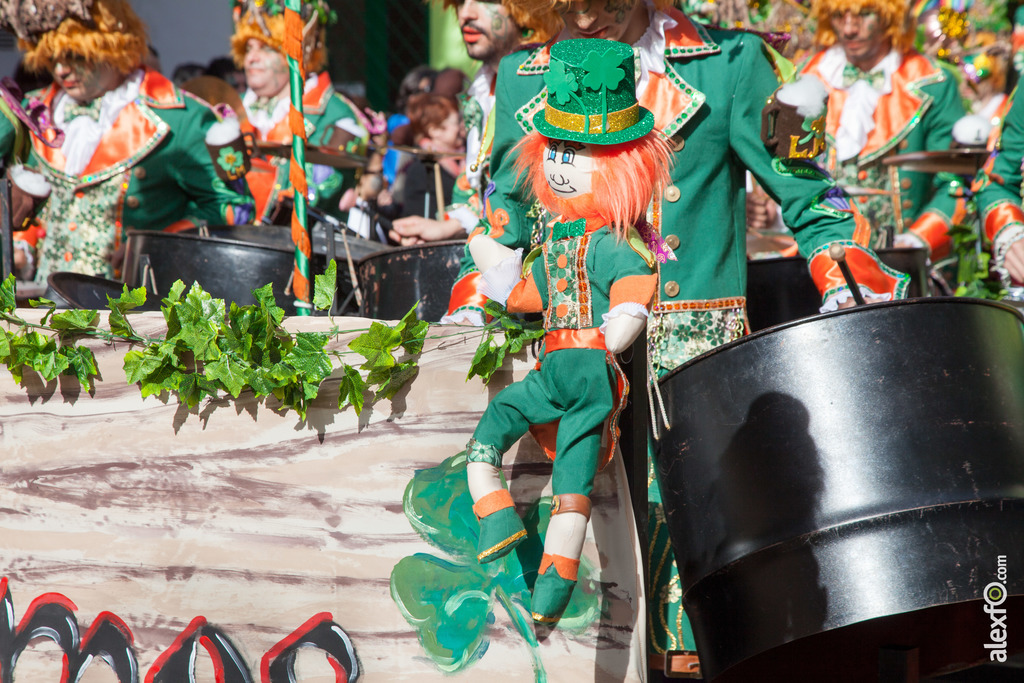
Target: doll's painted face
(568,167)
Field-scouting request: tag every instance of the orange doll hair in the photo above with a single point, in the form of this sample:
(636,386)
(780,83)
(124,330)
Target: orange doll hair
(626,177)
(118,38)
(893,14)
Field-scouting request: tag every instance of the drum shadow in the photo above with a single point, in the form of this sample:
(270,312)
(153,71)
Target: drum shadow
(767,490)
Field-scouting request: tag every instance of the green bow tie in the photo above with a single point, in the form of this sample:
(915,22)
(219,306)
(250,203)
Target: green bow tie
(576,228)
(74,109)
(851,74)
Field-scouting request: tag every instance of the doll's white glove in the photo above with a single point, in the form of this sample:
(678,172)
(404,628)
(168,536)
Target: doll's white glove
(622,325)
(487,252)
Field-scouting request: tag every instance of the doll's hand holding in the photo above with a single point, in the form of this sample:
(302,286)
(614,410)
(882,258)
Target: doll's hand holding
(622,325)
(487,252)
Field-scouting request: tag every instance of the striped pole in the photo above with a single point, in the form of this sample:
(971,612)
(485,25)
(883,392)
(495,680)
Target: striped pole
(297,169)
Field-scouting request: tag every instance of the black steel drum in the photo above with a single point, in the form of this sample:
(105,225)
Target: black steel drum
(233,261)
(75,290)
(394,281)
(850,483)
(781,289)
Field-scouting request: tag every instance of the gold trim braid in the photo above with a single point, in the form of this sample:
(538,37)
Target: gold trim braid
(576,123)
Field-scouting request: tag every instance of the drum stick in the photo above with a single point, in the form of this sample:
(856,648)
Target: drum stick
(838,254)
(439,190)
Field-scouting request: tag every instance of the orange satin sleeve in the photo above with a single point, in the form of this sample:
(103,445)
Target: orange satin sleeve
(867,270)
(525,297)
(634,288)
(934,230)
(1000,216)
(465,294)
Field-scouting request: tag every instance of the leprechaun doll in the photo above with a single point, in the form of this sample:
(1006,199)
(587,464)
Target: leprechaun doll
(595,162)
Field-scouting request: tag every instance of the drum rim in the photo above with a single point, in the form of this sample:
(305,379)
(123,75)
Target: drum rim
(957,300)
(197,238)
(407,248)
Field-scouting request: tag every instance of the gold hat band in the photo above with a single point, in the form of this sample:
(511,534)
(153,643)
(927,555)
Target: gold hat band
(617,120)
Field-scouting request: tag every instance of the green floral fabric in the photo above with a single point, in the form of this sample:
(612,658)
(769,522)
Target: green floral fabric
(81,232)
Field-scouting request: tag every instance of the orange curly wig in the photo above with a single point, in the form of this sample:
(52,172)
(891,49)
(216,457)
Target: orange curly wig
(625,178)
(247,28)
(118,39)
(538,19)
(893,13)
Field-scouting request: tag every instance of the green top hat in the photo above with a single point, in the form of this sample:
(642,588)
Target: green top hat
(592,94)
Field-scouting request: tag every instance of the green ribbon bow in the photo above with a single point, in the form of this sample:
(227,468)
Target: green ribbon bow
(73,109)
(563,231)
(851,74)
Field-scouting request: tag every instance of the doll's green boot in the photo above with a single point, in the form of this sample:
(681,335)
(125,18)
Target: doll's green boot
(552,590)
(501,529)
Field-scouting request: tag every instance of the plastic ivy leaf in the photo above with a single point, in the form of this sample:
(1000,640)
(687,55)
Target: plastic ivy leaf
(325,286)
(265,297)
(413,332)
(81,362)
(351,390)
(8,302)
(376,346)
(561,83)
(129,299)
(74,320)
(449,606)
(229,372)
(603,71)
(308,356)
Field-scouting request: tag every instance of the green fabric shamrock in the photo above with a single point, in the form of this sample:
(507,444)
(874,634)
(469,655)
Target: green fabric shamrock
(231,161)
(561,83)
(604,74)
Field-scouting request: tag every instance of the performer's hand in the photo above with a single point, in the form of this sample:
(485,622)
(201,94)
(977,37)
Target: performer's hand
(1014,262)
(851,302)
(761,211)
(417,230)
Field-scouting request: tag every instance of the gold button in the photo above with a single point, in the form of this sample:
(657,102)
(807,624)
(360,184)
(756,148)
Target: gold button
(672,241)
(132,202)
(906,183)
(672,193)
(140,172)
(907,204)
(678,142)
(904,144)
(671,288)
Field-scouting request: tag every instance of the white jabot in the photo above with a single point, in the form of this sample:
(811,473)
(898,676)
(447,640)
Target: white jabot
(82,134)
(264,121)
(479,90)
(858,117)
(650,49)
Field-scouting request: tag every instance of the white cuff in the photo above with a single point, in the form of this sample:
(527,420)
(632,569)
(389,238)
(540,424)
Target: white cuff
(630,308)
(1004,239)
(498,282)
(350,125)
(469,316)
(32,182)
(841,297)
(466,218)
